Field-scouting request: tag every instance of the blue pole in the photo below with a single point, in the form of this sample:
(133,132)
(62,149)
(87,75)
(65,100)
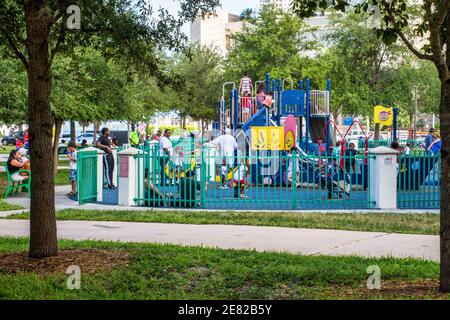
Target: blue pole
(307,109)
(235,99)
(267,82)
(328,115)
(279,103)
(395,123)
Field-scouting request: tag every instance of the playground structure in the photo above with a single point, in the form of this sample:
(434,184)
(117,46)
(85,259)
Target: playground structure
(285,160)
(309,106)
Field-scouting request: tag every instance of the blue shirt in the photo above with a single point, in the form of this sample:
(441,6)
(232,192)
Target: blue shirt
(436,148)
(429,139)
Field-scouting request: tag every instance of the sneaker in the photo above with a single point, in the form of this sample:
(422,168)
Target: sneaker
(224,187)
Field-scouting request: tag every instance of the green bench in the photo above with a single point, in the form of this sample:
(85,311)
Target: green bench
(13,186)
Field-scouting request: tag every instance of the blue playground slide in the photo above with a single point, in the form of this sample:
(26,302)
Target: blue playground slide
(259,119)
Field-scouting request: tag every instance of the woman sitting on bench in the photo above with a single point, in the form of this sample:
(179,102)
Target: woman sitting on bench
(15,164)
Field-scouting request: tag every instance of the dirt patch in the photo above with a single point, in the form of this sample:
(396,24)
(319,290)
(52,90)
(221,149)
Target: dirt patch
(414,289)
(89,260)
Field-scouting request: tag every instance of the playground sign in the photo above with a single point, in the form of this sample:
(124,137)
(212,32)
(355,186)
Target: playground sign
(267,138)
(384,116)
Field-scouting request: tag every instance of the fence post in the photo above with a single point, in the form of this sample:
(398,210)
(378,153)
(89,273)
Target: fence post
(129,180)
(383,178)
(116,163)
(99,177)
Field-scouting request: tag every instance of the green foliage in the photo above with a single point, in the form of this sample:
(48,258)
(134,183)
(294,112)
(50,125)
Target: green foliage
(13,92)
(200,78)
(276,42)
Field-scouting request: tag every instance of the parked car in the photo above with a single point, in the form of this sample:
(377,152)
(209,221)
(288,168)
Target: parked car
(85,136)
(357,134)
(11,139)
(65,138)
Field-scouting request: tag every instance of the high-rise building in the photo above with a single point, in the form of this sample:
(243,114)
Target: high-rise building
(282,4)
(216,31)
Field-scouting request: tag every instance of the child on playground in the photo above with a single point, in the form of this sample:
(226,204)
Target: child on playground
(246,103)
(71,154)
(224,173)
(239,181)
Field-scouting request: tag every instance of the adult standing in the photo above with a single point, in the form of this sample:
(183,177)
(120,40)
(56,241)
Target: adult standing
(104,143)
(165,152)
(429,139)
(227,145)
(157,135)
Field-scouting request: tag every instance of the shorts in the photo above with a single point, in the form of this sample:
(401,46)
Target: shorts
(16,177)
(73,175)
(245,110)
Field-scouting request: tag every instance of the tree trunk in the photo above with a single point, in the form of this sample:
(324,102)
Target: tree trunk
(58,126)
(73,134)
(96,128)
(43,237)
(445,188)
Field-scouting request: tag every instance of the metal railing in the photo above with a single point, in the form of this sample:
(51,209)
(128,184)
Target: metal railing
(261,181)
(419,181)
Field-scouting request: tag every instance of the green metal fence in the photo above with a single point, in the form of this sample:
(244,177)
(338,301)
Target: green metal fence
(262,180)
(87,176)
(419,180)
(415,144)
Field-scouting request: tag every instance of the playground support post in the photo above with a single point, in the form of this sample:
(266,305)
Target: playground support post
(235,97)
(328,115)
(267,82)
(308,111)
(394,128)
(300,119)
(278,110)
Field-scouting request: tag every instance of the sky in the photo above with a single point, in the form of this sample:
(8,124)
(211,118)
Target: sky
(232,6)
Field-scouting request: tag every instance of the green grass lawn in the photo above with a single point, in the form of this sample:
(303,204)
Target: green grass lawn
(62,177)
(7,150)
(379,222)
(174,272)
(8,207)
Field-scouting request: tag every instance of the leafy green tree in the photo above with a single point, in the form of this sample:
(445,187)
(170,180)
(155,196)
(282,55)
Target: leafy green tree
(366,72)
(35,31)
(200,76)
(276,42)
(426,23)
(13,93)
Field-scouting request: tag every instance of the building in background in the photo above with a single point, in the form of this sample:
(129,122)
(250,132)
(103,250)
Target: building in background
(216,31)
(282,4)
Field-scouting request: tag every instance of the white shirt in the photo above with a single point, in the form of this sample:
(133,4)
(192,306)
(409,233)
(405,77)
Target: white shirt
(165,143)
(227,144)
(239,174)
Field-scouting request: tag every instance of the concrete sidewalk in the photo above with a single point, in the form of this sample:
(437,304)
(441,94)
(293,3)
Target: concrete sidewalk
(296,241)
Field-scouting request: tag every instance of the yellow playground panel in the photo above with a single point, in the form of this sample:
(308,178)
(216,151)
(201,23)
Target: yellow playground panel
(268,138)
(384,116)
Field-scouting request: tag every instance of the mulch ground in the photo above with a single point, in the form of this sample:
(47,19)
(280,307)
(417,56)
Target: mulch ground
(416,289)
(89,260)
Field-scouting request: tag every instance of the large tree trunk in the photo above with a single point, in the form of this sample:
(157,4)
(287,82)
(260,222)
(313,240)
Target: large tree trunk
(445,188)
(43,237)
(58,126)
(73,134)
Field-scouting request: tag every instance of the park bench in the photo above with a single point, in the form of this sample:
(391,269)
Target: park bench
(13,186)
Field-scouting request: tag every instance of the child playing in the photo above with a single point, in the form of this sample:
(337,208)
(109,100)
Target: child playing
(224,173)
(71,154)
(239,182)
(246,106)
